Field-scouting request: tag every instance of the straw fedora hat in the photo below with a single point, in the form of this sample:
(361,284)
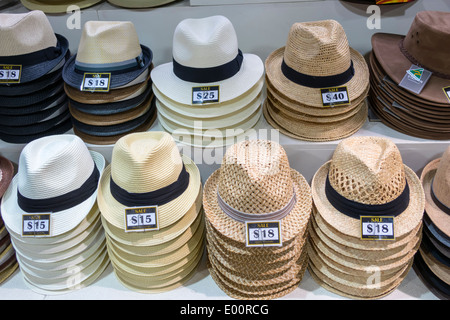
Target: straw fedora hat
(147,169)
(366,176)
(425,45)
(108,47)
(6,174)
(56,174)
(60,6)
(255,179)
(317,55)
(37,54)
(435,179)
(206,53)
(139,3)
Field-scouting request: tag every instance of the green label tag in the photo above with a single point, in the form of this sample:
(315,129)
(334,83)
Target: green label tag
(415,79)
(139,219)
(377,228)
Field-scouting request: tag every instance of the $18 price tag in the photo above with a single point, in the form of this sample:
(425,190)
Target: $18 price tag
(36,225)
(263,234)
(377,228)
(10,73)
(334,96)
(202,95)
(96,82)
(140,219)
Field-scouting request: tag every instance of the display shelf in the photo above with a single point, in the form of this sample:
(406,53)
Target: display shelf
(261,29)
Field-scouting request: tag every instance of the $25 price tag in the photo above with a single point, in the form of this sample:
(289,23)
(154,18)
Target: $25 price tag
(377,228)
(263,234)
(36,225)
(202,95)
(139,219)
(96,82)
(335,96)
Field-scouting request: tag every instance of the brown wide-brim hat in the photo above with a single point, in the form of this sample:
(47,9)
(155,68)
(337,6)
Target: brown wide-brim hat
(6,174)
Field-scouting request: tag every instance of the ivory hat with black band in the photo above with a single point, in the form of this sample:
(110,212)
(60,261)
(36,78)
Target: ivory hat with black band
(108,47)
(38,53)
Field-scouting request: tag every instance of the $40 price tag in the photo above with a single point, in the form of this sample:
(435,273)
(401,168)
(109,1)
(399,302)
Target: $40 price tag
(96,82)
(263,234)
(377,228)
(334,96)
(36,225)
(140,219)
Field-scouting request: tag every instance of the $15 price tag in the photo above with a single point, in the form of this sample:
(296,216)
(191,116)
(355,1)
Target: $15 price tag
(202,95)
(36,225)
(377,228)
(335,96)
(263,234)
(10,73)
(139,219)
(96,82)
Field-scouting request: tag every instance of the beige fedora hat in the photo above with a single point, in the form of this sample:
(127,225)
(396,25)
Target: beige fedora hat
(366,177)
(435,179)
(206,53)
(49,6)
(147,170)
(317,55)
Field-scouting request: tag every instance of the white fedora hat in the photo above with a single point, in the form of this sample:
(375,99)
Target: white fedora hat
(205,52)
(57,175)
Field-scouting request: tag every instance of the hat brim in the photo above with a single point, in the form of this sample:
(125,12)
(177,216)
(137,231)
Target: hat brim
(404,223)
(62,221)
(169,213)
(58,7)
(139,3)
(291,225)
(439,218)
(171,86)
(312,96)
(75,79)
(387,51)
(6,174)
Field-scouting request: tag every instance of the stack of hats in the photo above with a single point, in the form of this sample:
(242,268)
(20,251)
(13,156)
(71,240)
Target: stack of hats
(32,99)
(432,262)
(8,261)
(108,83)
(316,84)
(367,219)
(150,199)
(257,211)
(139,3)
(417,61)
(51,213)
(211,93)
(49,6)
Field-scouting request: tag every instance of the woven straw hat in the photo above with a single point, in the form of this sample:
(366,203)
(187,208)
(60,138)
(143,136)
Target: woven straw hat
(6,174)
(145,162)
(313,50)
(435,179)
(51,168)
(108,47)
(368,171)
(206,44)
(37,54)
(60,6)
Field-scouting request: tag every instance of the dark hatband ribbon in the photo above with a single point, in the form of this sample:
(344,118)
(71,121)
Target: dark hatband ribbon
(355,209)
(114,68)
(206,75)
(33,58)
(317,81)
(62,202)
(438,203)
(154,198)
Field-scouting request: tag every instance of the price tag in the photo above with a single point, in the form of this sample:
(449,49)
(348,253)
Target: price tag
(10,73)
(96,82)
(377,228)
(139,219)
(202,95)
(263,234)
(36,225)
(447,92)
(334,96)
(415,79)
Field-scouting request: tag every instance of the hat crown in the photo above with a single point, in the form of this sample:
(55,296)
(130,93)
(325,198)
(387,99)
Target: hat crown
(367,170)
(145,161)
(441,181)
(25,33)
(317,48)
(204,43)
(428,40)
(104,42)
(255,177)
(53,166)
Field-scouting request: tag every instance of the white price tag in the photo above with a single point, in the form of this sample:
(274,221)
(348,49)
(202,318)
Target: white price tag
(263,234)
(10,73)
(36,225)
(139,219)
(447,92)
(96,82)
(202,95)
(377,228)
(334,96)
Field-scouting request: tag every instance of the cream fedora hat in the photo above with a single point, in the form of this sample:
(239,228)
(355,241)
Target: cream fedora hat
(147,169)
(108,47)
(366,177)
(206,53)
(37,54)
(57,175)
